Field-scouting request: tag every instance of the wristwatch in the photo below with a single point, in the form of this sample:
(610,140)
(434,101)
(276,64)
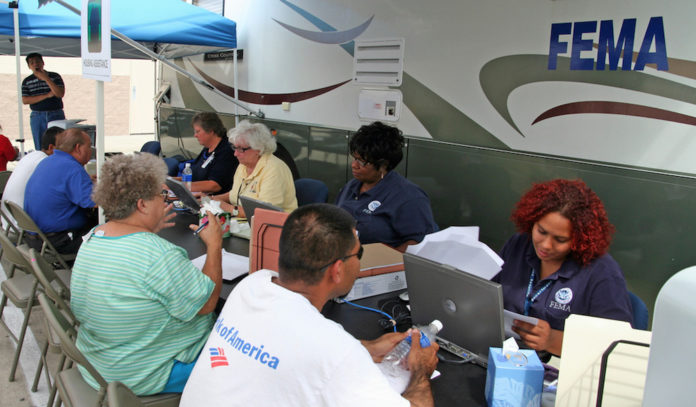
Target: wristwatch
(235,210)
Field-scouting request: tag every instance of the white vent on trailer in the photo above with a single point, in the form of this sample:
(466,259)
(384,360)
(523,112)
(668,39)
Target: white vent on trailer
(379,62)
(216,6)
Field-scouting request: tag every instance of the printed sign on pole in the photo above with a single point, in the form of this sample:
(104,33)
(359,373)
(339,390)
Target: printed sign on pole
(96,39)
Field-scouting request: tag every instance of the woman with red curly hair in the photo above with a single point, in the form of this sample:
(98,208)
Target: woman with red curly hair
(558,264)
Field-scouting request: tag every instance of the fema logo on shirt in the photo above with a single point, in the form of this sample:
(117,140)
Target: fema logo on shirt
(562,298)
(371,207)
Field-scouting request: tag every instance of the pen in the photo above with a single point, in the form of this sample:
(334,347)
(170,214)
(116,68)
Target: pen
(203,225)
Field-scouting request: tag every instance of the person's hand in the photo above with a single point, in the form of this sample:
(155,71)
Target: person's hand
(41,74)
(422,360)
(212,233)
(379,347)
(539,336)
(164,222)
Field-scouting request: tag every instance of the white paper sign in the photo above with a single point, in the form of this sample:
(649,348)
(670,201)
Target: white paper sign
(96,39)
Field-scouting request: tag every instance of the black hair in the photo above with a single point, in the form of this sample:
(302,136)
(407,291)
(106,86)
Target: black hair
(49,137)
(378,144)
(210,122)
(33,55)
(313,237)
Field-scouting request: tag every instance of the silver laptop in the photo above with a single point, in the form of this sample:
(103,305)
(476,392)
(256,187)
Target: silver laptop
(250,205)
(469,307)
(183,194)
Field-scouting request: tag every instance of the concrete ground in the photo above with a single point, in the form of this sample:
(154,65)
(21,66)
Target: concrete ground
(17,393)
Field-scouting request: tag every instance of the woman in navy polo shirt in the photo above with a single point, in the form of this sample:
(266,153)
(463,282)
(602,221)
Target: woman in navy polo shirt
(214,167)
(558,264)
(388,208)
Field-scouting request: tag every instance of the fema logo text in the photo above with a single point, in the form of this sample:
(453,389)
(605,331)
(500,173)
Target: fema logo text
(580,38)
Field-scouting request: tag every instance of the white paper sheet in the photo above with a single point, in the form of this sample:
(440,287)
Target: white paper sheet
(509,316)
(459,247)
(233,265)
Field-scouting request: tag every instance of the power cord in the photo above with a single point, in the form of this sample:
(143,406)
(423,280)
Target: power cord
(392,321)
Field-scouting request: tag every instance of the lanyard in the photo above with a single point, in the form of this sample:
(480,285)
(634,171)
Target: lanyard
(210,158)
(528,301)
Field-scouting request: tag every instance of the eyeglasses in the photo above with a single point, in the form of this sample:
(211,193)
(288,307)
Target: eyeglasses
(358,254)
(241,149)
(360,162)
(164,194)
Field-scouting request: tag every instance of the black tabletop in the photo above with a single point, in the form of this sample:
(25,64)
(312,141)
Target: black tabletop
(458,385)
(181,235)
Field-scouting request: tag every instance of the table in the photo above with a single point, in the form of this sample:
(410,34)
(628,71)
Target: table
(458,385)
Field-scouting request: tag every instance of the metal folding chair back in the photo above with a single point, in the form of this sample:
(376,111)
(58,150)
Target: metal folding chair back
(27,225)
(119,395)
(73,389)
(55,284)
(20,288)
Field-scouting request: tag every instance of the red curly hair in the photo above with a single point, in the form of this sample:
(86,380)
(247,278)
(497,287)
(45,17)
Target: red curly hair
(591,231)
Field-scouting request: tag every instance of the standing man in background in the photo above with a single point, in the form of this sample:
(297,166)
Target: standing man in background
(43,92)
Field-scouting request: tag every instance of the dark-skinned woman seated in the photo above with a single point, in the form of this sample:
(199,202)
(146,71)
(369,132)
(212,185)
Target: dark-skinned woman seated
(388,208)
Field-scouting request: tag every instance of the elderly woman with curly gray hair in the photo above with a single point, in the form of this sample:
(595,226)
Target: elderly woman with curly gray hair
(261,175)
(144,309)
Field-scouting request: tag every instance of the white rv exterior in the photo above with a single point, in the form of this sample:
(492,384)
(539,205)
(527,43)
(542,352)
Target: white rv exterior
(507,74)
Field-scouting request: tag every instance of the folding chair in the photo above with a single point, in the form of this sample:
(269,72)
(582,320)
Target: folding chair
(55,284)
(20,288)
(27,225)
(4,176)
(119,395)
(73,389)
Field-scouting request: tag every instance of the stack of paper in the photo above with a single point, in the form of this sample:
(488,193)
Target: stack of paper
(459,247)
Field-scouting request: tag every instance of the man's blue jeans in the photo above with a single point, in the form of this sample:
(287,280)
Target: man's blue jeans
(39,123)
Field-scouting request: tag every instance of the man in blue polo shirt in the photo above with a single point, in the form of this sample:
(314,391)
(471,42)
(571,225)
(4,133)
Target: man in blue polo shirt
(58,194)
(43,92)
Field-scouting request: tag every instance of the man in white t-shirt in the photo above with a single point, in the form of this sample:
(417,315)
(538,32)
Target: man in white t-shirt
(17,183)
(272,346)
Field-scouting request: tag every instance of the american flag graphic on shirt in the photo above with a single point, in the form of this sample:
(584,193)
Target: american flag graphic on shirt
(217,357)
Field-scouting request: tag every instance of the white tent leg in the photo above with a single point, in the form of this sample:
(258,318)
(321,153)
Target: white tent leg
(18,69)
(100,135)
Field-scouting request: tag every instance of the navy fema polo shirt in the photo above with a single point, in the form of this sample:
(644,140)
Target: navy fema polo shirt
(597,289)
(394,211)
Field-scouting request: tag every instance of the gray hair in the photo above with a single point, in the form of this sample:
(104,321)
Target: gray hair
(256,134)
(125,179)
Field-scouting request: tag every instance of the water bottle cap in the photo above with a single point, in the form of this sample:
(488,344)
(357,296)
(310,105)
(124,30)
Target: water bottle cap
(188,164)
(437,324)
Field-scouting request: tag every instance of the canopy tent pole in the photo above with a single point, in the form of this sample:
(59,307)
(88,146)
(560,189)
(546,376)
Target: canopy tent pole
(100,136)
(18,68)
(173,66)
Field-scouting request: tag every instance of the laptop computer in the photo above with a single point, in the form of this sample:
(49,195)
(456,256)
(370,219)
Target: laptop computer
(251,204)
(469,307)
(183,194)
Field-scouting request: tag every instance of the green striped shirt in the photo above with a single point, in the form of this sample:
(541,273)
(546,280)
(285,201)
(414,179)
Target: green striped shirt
(137,297)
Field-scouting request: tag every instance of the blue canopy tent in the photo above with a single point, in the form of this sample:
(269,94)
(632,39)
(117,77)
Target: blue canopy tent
(153,29)
(169,28)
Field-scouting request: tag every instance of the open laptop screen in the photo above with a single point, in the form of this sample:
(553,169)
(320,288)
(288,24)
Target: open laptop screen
(469,307)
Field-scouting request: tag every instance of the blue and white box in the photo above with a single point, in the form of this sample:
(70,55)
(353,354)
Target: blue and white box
(514,381)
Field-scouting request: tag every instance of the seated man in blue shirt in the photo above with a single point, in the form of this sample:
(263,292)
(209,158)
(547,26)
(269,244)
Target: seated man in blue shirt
(58,194)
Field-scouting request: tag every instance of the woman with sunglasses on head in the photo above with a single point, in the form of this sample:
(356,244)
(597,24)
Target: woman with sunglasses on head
(388,208)
(260,175)
(558,264)
(145,310)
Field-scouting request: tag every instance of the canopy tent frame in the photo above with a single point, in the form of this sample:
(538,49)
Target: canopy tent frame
(130,42)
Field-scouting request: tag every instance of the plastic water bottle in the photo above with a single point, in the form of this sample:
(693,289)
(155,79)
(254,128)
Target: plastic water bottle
(396,359)
(187,176)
